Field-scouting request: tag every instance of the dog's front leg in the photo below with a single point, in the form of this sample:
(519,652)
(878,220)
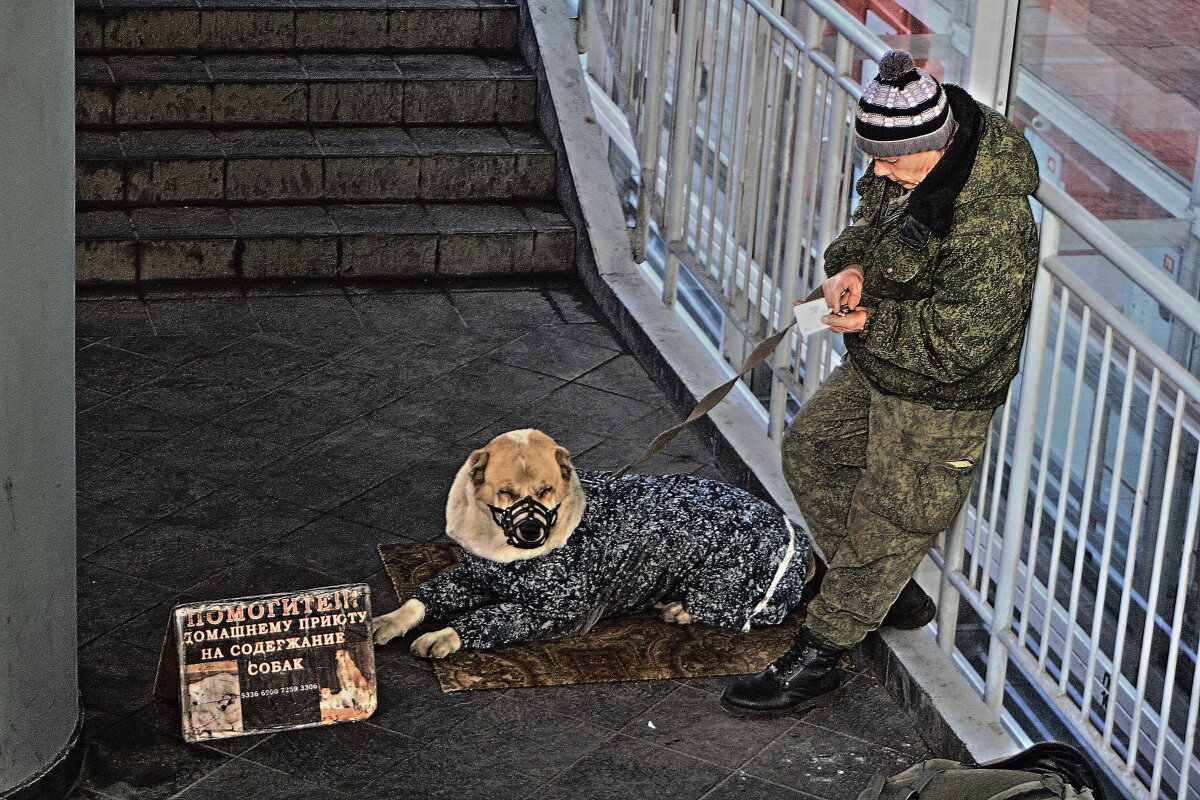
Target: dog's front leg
(398,622)
(437,644)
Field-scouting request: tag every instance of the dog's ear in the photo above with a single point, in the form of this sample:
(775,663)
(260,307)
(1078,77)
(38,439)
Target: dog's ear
(563,456)
(478,462)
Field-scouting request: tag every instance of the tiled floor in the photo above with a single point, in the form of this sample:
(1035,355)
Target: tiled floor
(245,442)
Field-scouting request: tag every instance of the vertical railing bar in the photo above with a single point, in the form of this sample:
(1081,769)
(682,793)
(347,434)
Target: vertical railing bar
(682,125)
(984,492)
(750,214)
(1043,471)
(1065,477)
(766,172)
(651,129)
(1164,515)
(1109,534)
(789,260)
(1135,525)
(747,207)
(948,595)
(1177,620)
(1089,486)
(778,177)
(733,184)
(581,27)
(690,173)
(1022,467)
(997,484)
(714,127)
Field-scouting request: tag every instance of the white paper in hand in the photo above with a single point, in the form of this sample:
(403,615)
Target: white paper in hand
(808,316)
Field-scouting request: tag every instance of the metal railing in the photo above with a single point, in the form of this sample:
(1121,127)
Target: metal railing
(1077,549)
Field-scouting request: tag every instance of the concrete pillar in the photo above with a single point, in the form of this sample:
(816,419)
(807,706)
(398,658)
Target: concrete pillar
(40,740)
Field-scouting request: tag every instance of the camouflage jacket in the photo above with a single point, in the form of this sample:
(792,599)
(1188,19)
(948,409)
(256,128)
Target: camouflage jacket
(948,268)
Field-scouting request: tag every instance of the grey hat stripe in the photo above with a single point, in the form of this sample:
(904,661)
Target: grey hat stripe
(890,111)
(885,148)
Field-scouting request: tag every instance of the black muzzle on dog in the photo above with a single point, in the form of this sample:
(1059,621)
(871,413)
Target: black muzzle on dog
(526,523)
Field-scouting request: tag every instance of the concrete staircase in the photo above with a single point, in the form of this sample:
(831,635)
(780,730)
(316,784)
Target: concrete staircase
(228,139)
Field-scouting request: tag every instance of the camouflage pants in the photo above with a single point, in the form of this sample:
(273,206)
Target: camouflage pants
(877,478)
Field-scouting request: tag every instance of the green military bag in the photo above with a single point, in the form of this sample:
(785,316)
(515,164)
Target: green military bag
(1046,771)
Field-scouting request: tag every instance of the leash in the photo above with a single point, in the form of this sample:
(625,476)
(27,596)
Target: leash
(757,356)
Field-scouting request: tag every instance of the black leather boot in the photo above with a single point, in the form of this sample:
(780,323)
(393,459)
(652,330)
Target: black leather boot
(804,677)
(913,609)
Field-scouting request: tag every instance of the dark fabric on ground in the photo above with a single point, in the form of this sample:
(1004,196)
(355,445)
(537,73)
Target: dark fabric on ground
(637,647)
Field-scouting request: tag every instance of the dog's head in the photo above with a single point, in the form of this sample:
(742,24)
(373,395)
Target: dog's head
(516,498)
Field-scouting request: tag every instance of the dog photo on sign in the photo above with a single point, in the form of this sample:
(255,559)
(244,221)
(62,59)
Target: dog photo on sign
(548,551)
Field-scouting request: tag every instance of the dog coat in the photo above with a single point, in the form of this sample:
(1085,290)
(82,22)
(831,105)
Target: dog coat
(730,558)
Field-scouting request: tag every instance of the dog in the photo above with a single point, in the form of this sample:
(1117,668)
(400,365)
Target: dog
(547,551)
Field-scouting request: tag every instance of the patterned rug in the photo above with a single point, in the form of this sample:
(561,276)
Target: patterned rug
(633,648)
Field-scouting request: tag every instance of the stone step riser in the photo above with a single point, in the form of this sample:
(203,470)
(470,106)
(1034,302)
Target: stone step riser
(166,30)
(413,255)
(101,106)
(449,177)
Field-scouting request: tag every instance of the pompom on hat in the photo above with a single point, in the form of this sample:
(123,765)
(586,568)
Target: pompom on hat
(902,111)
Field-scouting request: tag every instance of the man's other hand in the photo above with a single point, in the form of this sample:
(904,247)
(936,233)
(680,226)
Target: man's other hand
(846,323)
(844,288)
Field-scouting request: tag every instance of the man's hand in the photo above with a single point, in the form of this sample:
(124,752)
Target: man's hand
(844,289)
(846,323)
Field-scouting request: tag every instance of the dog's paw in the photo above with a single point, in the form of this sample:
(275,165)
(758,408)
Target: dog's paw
(674,613)
(398,622)
(437,644)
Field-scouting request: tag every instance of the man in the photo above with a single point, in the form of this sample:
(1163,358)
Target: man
(933,283)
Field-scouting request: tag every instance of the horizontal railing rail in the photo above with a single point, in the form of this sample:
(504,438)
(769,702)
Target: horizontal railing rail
(1077,548)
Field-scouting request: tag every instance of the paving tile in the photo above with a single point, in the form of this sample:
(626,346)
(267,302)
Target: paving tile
(99,525)
(443,409)
(100,318)
(548,742)
(340,466)
(420,312)
(343,550)
(258,364)
(169,557)
(609,705)
(411,505)
(254,575)
(132,760)
(107,598)
(193,395)
(622,375)
(625,768)
(283,421)
(92,457)
(237,779)
(241,516)
(176,350)
(112,370)
(543,351)
(744,787)
(825,763)
(858,715)
(505,309)
(147,487)
(209,316)
(348,389)
(691,722)
(127,426)
(351,756)
(410,700)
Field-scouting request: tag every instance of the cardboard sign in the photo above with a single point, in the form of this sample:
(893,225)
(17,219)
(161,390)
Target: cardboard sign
(270,663)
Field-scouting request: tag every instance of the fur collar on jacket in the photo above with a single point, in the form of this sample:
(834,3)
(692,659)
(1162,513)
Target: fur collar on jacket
(931,207)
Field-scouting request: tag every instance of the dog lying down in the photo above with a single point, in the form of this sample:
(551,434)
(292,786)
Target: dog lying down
(548,551)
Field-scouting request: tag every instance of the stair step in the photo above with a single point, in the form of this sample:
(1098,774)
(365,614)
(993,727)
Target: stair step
(116,92)
(348,241)
(257,166)
(263,26)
